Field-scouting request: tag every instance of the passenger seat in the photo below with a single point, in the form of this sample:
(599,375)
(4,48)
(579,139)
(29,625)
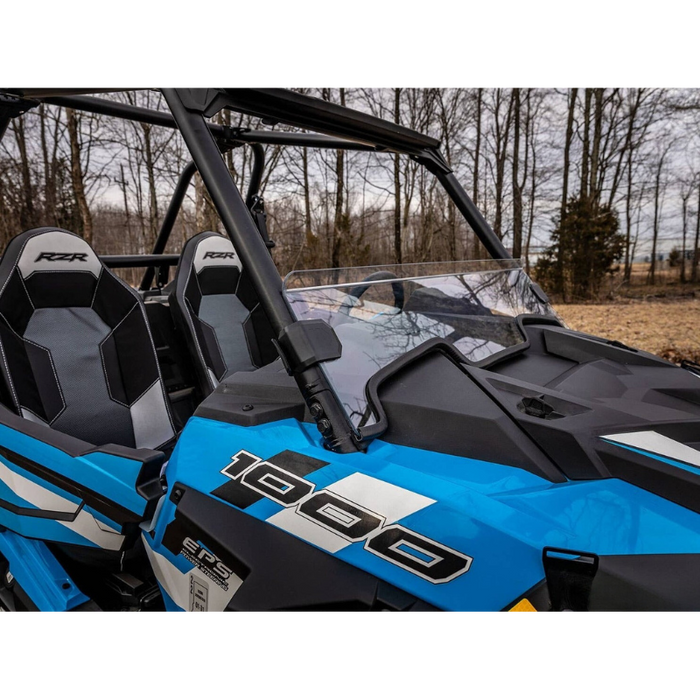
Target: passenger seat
(216,308)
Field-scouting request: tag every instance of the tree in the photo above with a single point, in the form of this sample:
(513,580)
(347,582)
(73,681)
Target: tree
(659,192)
(77,176)
(589,243)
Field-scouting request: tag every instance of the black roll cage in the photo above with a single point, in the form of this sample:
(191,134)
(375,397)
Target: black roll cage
(302,345)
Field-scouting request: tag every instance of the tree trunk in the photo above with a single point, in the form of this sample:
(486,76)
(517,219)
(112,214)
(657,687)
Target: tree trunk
(77,176)
(529,146)
(502,131)
(628,220)
(598,94)
(517,192)
(586,155)
(127,212)
(565,182)
(567,153)
(685,232)
(49,179)
(152,195)
(533,199)
(338,223)
(26,215)
(397,183)
(696,248)
(307,193)
(476,254)
(657,196)
(628,195)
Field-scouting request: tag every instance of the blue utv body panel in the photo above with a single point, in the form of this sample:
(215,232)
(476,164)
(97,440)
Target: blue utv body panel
(499,515)
(34,467)
(39,574)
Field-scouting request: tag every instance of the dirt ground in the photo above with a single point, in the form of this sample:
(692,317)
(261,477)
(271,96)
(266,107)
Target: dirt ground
(666,327)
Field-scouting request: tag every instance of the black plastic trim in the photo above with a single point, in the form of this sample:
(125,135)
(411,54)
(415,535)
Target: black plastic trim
(279,571)
(452,353)
(38,513)
(434,345)
(303,344)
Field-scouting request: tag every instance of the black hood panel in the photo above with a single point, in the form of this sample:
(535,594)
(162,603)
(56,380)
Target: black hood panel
(548,407)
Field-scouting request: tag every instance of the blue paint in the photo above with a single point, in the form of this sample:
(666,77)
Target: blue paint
(500,515)
(39,574)
(113,476)
(97,471)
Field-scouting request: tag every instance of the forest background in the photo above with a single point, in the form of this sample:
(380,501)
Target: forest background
(597,190)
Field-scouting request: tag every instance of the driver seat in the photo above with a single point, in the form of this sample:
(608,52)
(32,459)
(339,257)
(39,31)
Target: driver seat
(76,352)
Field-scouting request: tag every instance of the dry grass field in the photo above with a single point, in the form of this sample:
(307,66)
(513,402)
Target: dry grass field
(663,319)
(666,327)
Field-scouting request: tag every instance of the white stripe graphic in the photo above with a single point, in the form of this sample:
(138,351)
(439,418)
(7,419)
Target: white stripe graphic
(393,502)
(651,441)
(84,524)
(35,494)
(177,584)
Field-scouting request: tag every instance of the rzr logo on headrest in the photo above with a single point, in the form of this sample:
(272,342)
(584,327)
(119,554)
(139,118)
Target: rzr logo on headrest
(219,256)
(62,257)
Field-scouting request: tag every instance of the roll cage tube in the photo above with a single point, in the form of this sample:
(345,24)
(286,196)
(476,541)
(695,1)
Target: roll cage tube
(330,417)
(301,346)
(11,107)
(178,197)
(169,220)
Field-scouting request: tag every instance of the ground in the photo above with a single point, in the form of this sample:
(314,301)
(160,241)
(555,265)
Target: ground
(663,319)
(670,328)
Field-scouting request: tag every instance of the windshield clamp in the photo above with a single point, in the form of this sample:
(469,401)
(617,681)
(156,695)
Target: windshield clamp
(304,344)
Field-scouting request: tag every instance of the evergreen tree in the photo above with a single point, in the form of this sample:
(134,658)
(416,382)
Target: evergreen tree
(588,243)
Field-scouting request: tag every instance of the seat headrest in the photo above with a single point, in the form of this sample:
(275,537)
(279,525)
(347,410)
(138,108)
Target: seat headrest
(52,250)
(214,250)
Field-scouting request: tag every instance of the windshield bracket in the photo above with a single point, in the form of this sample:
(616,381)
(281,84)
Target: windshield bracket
(304,344)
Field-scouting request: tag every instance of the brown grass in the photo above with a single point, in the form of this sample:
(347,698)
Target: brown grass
(666,327)
(663,318)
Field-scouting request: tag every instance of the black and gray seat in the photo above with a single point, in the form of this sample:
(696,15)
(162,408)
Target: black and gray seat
(76,351)
(217,309)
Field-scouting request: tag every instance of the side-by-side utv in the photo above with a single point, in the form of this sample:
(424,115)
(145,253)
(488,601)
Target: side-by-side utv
(414,437)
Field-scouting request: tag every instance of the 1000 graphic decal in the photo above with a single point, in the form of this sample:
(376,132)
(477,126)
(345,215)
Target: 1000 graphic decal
(358,508)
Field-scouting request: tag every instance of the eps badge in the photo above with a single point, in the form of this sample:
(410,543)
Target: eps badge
(209,564)
(352,521)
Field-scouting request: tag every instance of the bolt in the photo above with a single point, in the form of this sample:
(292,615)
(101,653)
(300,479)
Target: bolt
(248,407)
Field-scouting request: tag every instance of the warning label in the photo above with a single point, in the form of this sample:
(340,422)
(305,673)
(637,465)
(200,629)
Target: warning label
(199,595)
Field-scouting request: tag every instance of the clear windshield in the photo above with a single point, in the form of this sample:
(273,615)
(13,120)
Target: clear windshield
(382,313)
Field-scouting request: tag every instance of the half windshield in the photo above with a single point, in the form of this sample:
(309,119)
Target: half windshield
(381,313)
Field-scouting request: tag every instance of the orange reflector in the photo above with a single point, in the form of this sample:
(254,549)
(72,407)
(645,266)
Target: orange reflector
(523,606)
